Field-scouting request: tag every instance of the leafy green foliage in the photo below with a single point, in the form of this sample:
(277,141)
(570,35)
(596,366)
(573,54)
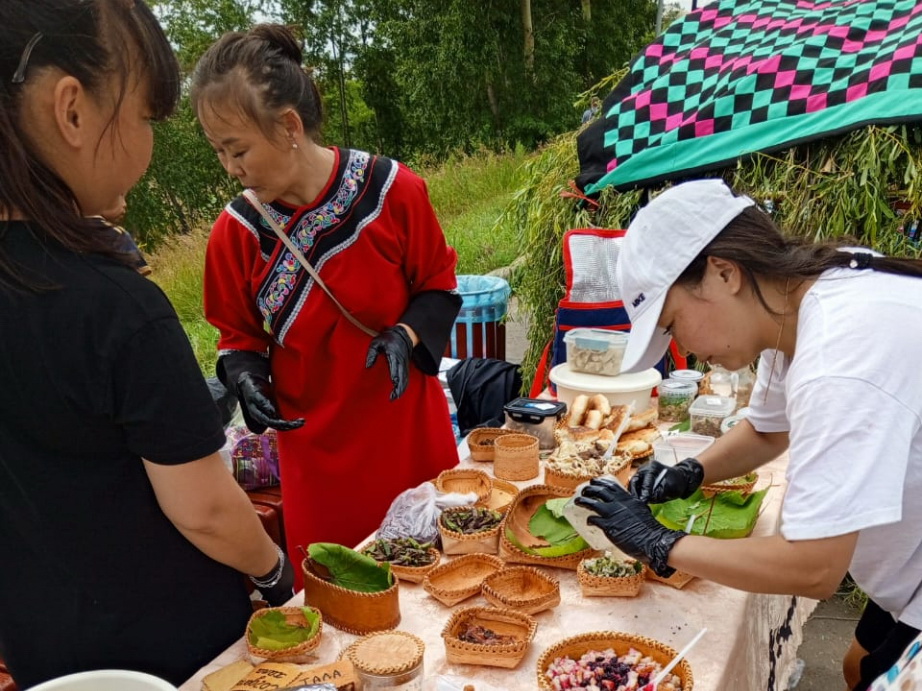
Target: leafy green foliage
(271,631)
(350,569)
(726,515)
(841,187)
(550,525)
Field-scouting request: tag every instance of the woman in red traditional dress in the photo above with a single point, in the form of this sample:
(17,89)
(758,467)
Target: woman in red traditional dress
(355,429)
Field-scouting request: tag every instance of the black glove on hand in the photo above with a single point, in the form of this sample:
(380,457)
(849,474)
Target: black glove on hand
(655,483)
(397,347)
(629,524)
(277,586)
(259,411)
(246,375)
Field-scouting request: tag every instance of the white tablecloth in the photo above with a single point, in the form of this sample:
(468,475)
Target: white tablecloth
(751,641)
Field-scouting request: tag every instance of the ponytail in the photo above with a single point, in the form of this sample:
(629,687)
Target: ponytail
(757,246)
(261,72)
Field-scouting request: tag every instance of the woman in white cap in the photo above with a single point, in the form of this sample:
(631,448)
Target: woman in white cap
(839,335)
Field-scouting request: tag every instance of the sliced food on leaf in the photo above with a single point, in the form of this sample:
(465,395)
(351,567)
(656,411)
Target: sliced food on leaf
(273,631)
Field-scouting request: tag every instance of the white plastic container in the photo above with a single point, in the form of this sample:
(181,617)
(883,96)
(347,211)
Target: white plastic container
(687,375)
(577,516)
(624,389)
(595,351)
(106,680)
(707,412)
(671,449)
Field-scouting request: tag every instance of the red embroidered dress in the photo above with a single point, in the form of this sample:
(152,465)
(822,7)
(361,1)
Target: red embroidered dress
(374,239)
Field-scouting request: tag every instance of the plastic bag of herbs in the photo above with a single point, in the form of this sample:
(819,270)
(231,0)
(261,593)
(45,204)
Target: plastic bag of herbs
(724,515)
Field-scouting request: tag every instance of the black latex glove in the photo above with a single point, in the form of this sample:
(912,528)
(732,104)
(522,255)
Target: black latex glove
(397,347)
(246,375)
(283,589)
(655,483)
(629,524)
(259,411)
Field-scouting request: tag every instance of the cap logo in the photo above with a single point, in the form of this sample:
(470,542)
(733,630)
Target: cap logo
(640,298)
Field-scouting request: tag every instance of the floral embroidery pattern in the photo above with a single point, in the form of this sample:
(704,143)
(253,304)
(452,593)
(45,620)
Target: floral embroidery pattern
(287,271)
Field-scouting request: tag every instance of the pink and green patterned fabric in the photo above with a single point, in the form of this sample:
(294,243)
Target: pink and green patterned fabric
(737,77)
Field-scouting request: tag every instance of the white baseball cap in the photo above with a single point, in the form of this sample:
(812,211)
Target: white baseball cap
(661,242)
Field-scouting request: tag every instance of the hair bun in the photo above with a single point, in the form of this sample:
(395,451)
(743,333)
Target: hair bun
(282,38)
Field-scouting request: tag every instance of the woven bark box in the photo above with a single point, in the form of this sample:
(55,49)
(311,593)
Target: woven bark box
(576,646)
(350,610)
(303,652)
(522,588)
(460,578)
(505,622)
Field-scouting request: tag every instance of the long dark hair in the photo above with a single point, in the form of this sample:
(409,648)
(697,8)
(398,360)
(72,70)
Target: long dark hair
(761,250)
(261,71)
(92,40)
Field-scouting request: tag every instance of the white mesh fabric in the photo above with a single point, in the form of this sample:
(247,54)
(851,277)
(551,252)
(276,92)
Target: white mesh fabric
(593,266)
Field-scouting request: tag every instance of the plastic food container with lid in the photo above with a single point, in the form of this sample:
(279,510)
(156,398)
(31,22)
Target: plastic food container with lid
(673,448)
(675,398)
(595,351)
(535,416)
(636,388)
(688,375)
(707,412)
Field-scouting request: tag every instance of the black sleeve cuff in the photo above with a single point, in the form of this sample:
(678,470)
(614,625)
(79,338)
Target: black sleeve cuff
(431,315)
(233,363)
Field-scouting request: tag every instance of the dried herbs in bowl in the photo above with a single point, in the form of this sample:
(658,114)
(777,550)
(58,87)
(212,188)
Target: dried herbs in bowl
(470,519)
(401,551)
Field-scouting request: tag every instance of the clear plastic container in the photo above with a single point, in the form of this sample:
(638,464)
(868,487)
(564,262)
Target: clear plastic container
(535,416)
(732,420)
(691,375)
(595,351)
(675,397)
(707,412)
(671,449)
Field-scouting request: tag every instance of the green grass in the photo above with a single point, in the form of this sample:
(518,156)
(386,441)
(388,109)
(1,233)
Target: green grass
(178,268)
(469,194)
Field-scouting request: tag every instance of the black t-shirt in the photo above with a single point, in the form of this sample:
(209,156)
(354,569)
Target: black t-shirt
(95,375)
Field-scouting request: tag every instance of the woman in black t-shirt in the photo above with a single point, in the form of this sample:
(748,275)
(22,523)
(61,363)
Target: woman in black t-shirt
(122,534)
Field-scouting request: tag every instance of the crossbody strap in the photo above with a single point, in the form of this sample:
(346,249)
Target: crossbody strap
(251,197)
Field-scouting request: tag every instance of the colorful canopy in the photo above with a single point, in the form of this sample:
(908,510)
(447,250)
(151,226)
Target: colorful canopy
(736,77)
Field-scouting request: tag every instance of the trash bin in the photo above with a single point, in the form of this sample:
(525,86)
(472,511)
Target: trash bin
(479,330)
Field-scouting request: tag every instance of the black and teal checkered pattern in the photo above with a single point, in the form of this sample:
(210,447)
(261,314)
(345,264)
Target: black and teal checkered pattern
(737,77)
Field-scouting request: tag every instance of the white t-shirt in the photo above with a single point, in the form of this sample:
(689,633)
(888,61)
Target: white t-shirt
(851,400)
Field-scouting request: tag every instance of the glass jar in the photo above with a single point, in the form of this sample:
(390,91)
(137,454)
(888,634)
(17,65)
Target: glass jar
(675,398)
(746,381)
(722,382)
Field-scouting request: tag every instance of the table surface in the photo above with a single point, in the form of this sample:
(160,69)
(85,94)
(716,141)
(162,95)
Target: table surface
(750,643)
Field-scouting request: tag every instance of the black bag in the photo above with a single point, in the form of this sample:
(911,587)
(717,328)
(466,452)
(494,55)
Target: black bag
(480,388)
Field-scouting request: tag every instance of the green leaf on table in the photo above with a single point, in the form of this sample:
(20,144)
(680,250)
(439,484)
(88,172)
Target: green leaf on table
(552,527)
(577,544)
(734,514)
(683,426)
(272,631)
(350,569)
(555,506)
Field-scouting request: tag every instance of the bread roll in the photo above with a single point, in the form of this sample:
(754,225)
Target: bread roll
(644,419)
(594,419)
(600,402)
(578,410)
